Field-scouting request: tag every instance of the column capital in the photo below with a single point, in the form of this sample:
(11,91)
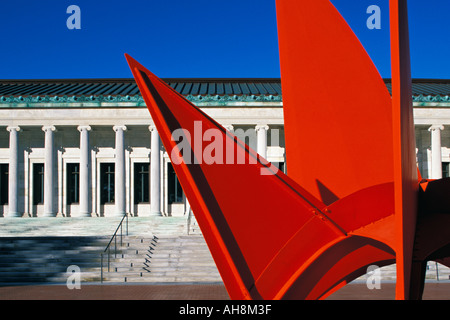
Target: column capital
(436,127)
(261,127)
(84,127)
(47,128)
(13,128)
(121,127)
(229,127)
(152,128)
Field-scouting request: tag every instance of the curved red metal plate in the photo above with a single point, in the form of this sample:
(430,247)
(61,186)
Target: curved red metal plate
(263,230)
(270,237)
(335,103)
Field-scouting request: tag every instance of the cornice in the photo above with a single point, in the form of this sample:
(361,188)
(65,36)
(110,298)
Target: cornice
(195,99)
(429,98)
(224,99)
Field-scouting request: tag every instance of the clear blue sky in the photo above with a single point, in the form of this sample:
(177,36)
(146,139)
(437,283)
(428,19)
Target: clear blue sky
(191,38)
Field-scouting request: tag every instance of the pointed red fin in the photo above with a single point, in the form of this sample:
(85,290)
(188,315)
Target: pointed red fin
(264,231)
(334,102)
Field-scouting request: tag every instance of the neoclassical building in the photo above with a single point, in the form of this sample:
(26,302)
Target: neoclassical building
(89,147)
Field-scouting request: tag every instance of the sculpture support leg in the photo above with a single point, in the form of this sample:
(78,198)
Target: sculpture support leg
(405,168)
(418,270)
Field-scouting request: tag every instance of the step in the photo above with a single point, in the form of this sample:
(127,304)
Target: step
(171,259)
(174,256)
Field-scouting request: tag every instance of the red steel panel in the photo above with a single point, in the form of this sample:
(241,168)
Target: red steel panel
(264,230)
(344,206)
(406,179)
(335,103)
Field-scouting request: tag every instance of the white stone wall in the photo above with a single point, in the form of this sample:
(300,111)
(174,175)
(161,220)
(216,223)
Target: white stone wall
(241,119)
(137,139)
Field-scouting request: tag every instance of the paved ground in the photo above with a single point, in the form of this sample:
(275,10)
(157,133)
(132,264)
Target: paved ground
(433,291)
(98,226)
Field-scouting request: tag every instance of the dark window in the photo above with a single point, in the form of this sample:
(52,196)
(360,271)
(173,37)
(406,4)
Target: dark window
(38,183)
(4,183)
(279,165)
(175,191)
(141,187)
(73,183)
(107,182)
(445,169)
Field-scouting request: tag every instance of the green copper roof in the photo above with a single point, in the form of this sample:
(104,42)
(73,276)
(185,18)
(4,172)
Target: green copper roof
(196,90)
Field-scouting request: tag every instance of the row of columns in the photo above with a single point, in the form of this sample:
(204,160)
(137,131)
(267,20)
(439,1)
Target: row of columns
(261,138)
(436,152)
(85,171)
(155,187)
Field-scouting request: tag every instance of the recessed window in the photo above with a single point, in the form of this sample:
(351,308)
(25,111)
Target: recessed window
(141,183)
(38,183)
(445,169)
(107,182)
(279,165)
(175,192)
(73,183)
(4,184)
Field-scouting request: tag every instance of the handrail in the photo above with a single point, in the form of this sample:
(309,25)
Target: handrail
(188,223)
(108,247)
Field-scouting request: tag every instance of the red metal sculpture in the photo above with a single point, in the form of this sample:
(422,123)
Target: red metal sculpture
(305,235)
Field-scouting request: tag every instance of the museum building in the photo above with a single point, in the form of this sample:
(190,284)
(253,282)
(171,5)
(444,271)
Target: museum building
(88,147)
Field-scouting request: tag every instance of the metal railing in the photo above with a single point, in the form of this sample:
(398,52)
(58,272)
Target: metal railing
(107,250)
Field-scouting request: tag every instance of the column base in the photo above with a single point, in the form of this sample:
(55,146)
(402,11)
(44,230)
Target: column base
(119,214)
(49,215)
(84,215)
(14,215)
(156,214)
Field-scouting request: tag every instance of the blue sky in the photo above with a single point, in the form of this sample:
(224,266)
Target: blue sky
(191,38)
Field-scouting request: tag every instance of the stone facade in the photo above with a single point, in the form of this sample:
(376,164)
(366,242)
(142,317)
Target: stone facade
(55,140)
(119,134)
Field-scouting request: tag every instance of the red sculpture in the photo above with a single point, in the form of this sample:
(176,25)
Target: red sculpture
(306,235)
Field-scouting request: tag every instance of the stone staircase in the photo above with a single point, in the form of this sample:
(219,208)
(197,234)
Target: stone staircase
(172,252)
(49,259)
(156,250)
(163,259)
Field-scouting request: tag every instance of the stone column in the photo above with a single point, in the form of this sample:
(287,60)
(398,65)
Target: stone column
(261,140)
(85,171)
(95,188)
(119,173)
(13,172)
(187,206)
(62,200)
(49,198)
(436,155)
(155,170)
